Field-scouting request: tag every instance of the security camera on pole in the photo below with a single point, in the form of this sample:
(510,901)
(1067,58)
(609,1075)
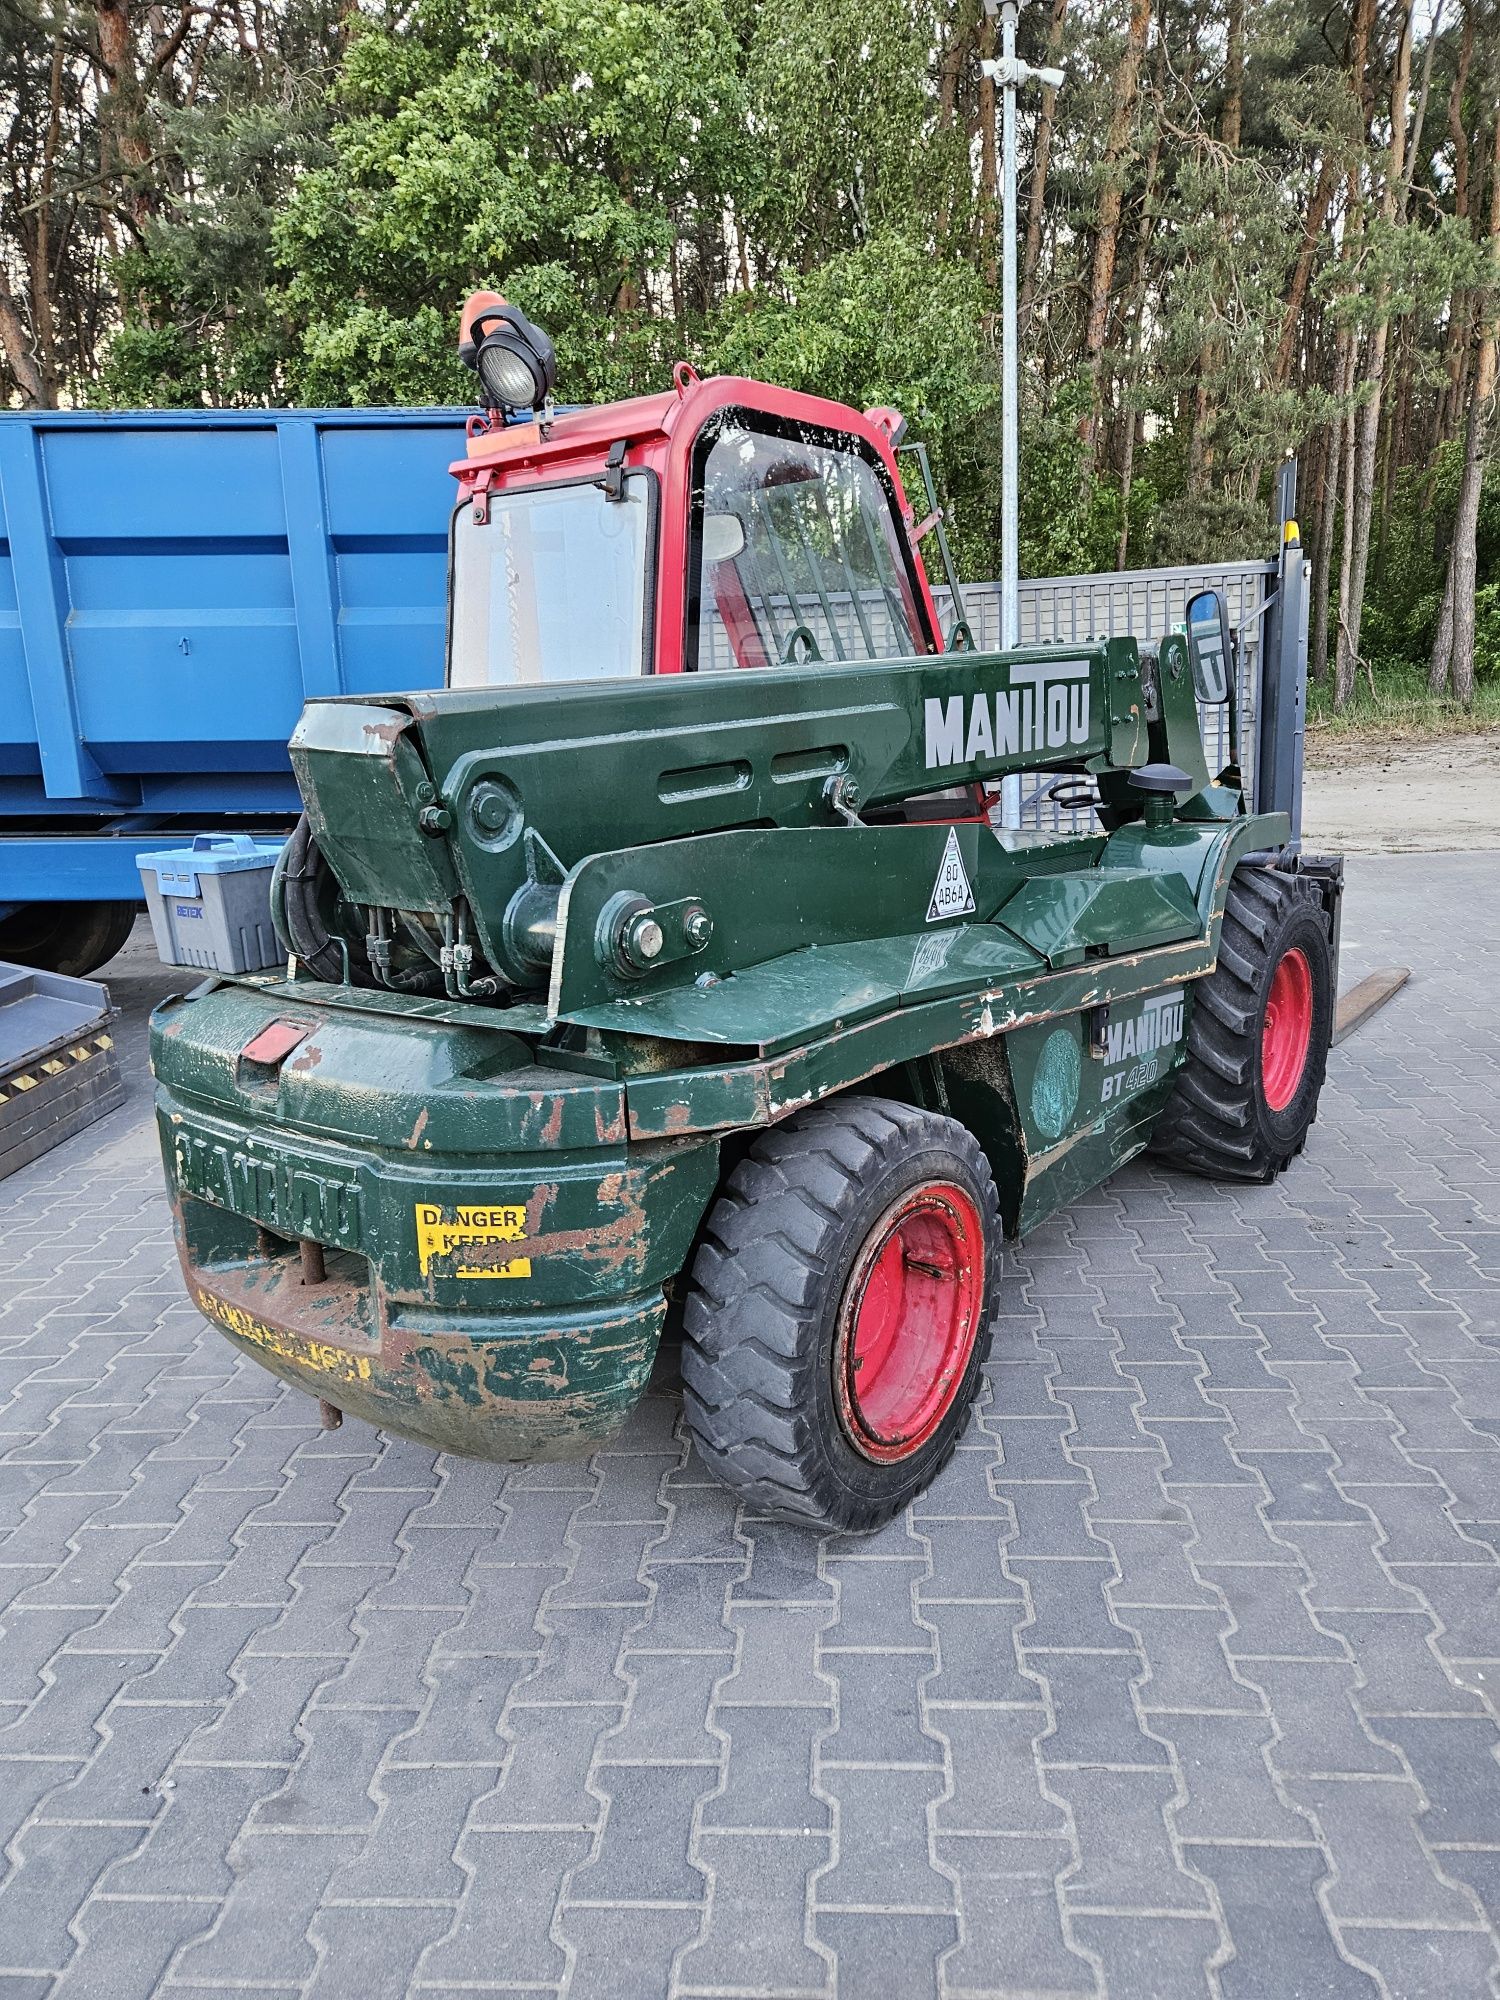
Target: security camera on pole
(1008,72)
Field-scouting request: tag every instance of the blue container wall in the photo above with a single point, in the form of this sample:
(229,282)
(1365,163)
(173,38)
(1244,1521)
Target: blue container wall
(174,584)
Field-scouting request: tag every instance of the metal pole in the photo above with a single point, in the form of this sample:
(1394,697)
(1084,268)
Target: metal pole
(1281,713)
(1010,423)
(1010,462)
(1008,73)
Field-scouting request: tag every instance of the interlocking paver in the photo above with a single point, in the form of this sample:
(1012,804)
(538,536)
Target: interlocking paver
(1184,1678)
(506,1917)
(757,1931)
(882,1858)
(1226,1769)
(125,1946)
(621,1953)
(1282,1941)
(1384,1873)
(546,1777)
(1141,1956)
(1127,1857)
(56,1870)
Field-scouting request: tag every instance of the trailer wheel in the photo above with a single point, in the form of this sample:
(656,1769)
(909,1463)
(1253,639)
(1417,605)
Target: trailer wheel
(840,1311)
(75,938)
(1257,1044)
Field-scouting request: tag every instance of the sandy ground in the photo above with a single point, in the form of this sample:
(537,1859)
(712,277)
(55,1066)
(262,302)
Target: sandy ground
(1402,797)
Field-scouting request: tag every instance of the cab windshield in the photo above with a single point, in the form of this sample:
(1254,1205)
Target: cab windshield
(797,552)
(552,587)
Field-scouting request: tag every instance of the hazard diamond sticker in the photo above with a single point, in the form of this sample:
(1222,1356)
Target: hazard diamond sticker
(951,894)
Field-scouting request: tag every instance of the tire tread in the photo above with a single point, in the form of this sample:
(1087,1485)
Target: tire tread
(757,1269)
(1210,1124)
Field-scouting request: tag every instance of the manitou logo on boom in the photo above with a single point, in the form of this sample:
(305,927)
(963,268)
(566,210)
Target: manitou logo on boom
(1047,708)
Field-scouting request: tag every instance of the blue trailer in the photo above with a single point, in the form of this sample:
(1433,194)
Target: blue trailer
(173,585)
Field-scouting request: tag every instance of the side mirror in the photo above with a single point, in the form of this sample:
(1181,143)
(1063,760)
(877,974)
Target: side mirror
(723,537)
(1209,645)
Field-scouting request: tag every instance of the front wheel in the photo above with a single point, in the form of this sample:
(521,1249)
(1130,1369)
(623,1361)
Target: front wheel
(840,1311)
(1257,1044)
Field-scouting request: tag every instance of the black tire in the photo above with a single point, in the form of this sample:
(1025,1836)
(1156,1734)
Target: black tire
(1220,1120)
(788,1251)
(75,938)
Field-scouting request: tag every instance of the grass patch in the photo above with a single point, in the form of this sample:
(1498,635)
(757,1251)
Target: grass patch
(1400,709)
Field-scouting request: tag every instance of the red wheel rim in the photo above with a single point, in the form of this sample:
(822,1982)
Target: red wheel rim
(909,1320)
(1287,1033)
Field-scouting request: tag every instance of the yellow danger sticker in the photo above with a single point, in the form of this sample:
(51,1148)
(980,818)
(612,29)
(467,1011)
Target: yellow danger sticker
(321,1354)
(441,1231)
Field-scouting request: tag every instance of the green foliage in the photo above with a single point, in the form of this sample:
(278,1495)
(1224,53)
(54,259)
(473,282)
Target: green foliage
(886,324)
(204,318)
(1411,555)
(1487,634)
(844,146)
(1401,705)
(373,355)
(804,190)
(1068,526)
(556,151)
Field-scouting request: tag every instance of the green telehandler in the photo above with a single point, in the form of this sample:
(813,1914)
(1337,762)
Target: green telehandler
(665,969)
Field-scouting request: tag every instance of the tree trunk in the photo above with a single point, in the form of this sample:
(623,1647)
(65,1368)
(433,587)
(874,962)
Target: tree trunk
(1450,402)
(1323,543)
(1463,562)
(43,316)
(1234,76)
(1346,652)
(1357,530)
(1198,450)
(1111,201)
(1312,230)
(18,352)
(1456,130)
(1138,287)
(989,170)
(125,150)
(956,55)
(1453,650)
(1041,160)
(1441,663)
(1352,590)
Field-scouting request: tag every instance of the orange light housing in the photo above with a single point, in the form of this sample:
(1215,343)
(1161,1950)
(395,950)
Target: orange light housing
(474,305)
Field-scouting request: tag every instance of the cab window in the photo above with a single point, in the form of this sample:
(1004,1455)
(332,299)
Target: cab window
(553,586)
(795,553)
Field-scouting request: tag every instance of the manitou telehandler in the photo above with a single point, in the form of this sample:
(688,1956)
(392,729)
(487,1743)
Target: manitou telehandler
(667,964)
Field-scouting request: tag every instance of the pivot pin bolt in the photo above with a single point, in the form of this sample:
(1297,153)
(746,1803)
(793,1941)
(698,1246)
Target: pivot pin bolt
(644,940)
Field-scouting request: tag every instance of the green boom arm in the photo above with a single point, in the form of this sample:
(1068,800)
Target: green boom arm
(486,802)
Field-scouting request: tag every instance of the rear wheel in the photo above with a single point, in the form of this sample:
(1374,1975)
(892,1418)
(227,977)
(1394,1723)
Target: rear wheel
(840,1311)
(1257,1045)
(75,938)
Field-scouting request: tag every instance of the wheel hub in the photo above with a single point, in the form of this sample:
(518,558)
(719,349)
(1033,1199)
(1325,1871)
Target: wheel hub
(1287,1033)
(908,1321)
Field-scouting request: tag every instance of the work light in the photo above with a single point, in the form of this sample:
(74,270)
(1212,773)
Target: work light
(514,359)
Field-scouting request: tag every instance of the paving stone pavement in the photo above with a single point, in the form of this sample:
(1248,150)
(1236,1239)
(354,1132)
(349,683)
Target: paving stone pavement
(1181,1680)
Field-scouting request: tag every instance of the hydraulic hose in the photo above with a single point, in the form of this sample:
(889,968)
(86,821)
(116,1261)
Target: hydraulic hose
(304,874)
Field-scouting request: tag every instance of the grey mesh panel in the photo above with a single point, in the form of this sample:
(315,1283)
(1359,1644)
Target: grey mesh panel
(1141,604)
